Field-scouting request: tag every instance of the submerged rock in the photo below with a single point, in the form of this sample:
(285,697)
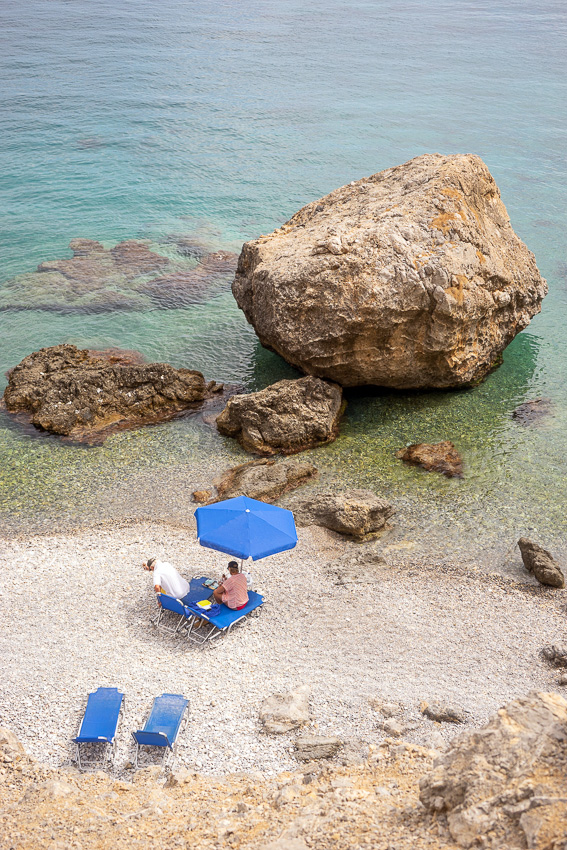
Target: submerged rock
(77,393)
(411,278)
(129,276)
(355,513)
(533,412)
(265,480)
(288,416)
(183,288)
(505,785)
(437,457)
(540,563)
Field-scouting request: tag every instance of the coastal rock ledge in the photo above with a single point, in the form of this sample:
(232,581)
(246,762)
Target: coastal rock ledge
(411,278)
(78,393)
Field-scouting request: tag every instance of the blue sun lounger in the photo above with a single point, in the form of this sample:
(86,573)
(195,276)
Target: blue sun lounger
(99,724)
(176,606)
(221,623)
(162,726)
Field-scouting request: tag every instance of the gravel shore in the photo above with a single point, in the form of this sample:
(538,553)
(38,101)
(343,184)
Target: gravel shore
(76,612)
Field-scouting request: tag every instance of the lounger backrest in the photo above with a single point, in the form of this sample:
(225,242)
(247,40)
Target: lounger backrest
(101,715)
(166,715)
(151,739)
(171,604)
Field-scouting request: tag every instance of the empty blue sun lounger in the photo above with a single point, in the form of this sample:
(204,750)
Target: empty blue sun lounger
(99,724)
(163,725)
(221,623)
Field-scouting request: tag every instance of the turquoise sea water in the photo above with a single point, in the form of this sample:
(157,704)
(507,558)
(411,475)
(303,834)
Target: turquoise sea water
(216,122)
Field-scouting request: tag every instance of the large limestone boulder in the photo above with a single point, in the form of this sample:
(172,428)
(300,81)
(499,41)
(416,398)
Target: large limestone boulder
(410,278)
(78,393)
(506,784)
(287,417)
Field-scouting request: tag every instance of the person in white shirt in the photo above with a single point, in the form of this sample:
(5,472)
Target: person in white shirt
(166,579)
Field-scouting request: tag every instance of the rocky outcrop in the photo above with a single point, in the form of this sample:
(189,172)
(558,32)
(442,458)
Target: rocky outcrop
(356,513)
(129,276)
(265,480)
(437,457)
(79,393)
(288,416)
(411,278)
(506,785)
(283,712)
(540,563)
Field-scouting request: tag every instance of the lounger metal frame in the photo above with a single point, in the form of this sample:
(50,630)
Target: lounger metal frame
(176,606)
(207,633)
(109,752)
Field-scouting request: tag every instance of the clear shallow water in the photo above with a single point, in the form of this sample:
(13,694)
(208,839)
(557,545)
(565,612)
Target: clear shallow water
(218,121)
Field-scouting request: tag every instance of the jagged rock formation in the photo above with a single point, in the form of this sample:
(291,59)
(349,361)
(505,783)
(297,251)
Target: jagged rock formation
(79,393)
(355,513)
(286,417)
(411,278)
(45,807)
(265,480)
(541,563)
(437,457)
(128,276)
(506,784)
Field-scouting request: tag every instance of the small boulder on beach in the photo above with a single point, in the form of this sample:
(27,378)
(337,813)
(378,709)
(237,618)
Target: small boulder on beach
(80,393)
(437,457)
(355,513)
(288,416)
(281,713)
(541,563)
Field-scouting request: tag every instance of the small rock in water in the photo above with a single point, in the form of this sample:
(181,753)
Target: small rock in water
(438,457)
(288,416)
(355,513)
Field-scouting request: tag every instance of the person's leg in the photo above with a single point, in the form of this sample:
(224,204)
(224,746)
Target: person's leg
(218,594)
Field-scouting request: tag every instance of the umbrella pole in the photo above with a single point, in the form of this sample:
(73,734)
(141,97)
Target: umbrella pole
(241,562)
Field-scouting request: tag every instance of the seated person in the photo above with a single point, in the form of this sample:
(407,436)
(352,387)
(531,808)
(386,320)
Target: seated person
(166,579)
(233,591)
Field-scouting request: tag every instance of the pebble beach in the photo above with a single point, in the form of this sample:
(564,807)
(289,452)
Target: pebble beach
(77,609)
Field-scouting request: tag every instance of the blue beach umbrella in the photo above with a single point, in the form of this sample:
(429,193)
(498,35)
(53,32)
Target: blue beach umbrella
(246,528)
